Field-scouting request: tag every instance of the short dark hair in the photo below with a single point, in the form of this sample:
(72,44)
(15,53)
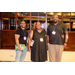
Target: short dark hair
(22,20)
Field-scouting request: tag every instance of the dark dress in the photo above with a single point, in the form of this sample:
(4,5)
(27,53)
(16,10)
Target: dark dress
(39,52)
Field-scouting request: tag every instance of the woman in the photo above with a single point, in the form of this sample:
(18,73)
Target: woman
(38,52)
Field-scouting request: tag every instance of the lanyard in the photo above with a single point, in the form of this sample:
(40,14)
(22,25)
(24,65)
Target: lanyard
(54,26)
(40,33)
(24,32)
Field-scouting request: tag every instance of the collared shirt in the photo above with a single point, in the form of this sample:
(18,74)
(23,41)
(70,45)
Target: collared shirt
(60,30)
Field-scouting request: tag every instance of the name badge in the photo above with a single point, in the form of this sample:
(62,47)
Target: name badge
(24,37)
(53,32)
(41,39)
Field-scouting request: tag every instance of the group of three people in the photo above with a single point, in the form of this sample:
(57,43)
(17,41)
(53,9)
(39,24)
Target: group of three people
(55,38)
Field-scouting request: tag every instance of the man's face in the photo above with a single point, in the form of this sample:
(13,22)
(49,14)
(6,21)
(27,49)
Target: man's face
(38,25)
(55,18)
(23,24)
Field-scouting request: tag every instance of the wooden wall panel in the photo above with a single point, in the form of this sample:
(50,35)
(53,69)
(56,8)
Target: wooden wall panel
(71,41)
(0,30)
(8,39)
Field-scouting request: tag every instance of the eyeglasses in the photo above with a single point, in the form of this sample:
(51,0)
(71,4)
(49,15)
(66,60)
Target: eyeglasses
(55,17)
(23,23)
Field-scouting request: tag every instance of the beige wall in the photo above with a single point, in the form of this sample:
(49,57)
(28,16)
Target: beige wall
(9,55)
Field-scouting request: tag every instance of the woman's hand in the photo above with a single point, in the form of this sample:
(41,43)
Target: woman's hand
(29,49)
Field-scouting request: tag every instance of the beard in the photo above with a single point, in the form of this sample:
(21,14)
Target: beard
(22,27)
(55,21)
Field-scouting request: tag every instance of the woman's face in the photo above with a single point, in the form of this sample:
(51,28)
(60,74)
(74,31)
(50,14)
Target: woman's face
(38,25)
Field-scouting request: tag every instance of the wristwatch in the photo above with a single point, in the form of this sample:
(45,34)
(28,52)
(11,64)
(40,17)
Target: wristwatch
(66,42)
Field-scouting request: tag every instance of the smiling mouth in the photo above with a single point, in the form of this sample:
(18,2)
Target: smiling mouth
(22,27)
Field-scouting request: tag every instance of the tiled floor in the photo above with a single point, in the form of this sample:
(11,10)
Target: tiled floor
(7,61)
(9,56)
(13,61)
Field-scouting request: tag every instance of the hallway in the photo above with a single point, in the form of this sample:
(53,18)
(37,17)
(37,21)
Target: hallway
(9,22)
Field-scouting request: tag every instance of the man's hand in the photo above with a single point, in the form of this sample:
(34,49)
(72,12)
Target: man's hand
(29,40)
(66,39)
(19,48)
(65,45)
(17,41)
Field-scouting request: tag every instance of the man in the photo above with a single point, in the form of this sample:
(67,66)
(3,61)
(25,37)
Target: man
(20,38)
(57,33)
(38,51)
